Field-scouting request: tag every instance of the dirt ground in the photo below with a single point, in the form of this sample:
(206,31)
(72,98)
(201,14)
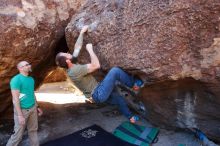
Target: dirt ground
(66,112)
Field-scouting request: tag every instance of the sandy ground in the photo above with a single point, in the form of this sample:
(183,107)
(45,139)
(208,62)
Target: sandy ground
(66,112)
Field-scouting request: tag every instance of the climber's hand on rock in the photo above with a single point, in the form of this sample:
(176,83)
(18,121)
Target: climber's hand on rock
(84,29)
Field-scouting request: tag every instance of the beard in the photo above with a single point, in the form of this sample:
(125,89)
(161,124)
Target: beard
(30,70)
(74,60)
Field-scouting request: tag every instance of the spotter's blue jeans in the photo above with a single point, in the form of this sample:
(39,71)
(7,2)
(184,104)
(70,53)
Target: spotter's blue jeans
(106,91)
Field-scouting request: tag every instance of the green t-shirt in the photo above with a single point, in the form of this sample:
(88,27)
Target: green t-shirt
(25,85)
(84,81)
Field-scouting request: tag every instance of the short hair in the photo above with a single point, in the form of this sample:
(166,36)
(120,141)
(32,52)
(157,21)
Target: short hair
(61,60)
(21,63)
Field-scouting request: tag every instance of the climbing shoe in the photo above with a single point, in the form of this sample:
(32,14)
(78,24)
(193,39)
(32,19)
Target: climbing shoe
(134,119)
(138,84)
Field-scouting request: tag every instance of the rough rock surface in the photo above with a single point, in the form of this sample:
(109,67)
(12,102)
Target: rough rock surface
(30,30)
(167,42)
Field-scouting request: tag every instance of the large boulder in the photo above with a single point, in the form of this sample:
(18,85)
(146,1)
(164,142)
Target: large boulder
(174,45)
(30,30)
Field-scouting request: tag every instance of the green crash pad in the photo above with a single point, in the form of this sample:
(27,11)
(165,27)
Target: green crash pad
(136,134)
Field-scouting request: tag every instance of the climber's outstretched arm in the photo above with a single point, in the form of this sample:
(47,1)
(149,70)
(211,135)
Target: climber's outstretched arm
(79,42)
